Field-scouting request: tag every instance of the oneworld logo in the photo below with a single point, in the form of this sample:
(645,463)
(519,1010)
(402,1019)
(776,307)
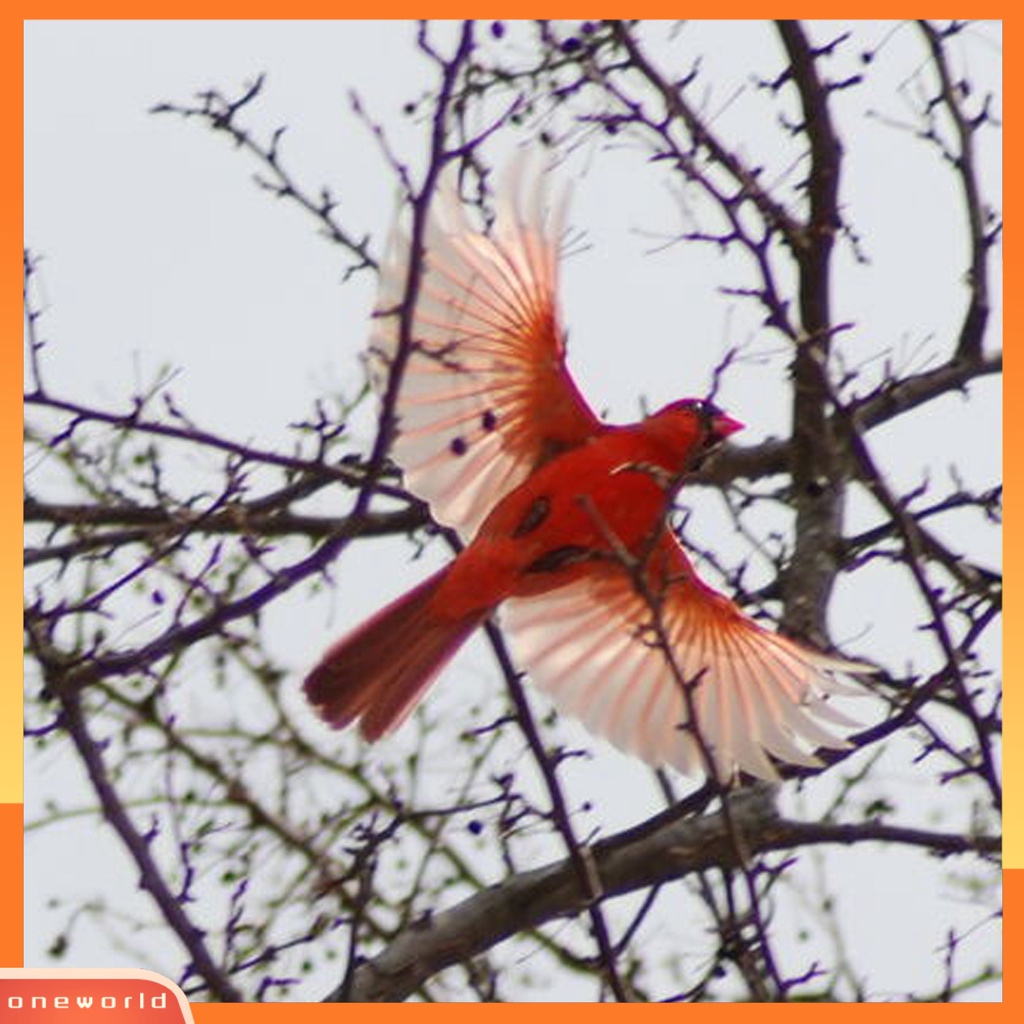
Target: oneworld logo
(80,1002)
(94,995)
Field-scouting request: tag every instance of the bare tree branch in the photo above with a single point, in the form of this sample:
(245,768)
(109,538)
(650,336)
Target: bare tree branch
(623,863)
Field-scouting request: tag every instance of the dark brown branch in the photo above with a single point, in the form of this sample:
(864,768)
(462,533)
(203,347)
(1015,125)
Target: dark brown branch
(902,394)
(32,313)
(144,524)
(981,235)
(220,114)
(80,672)
(624,864)
(814,455)
(585,881)
(774,213)
(189,433)
(151,878)
(774,221)
(915,558)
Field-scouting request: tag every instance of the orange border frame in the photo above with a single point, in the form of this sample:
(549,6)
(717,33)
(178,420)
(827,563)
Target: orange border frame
(11,780)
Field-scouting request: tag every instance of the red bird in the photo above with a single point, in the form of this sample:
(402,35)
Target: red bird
(565,518)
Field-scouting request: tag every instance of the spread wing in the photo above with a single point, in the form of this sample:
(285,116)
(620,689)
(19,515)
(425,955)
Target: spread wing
(757,695)
(486,396)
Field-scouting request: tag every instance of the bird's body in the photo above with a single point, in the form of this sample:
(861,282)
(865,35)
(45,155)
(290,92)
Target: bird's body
(565,519)
(605,499)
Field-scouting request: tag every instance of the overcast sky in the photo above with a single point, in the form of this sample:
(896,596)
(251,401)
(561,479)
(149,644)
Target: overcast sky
(159,251)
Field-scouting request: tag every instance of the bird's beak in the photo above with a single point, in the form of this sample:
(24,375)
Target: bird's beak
(724,425)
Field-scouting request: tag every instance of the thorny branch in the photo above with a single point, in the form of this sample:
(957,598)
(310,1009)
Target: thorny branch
(816,460)
(221,114)
(984,227)
(625,862)
(152,878)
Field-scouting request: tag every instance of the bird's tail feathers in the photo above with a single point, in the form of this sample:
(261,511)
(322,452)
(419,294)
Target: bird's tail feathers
(379,672)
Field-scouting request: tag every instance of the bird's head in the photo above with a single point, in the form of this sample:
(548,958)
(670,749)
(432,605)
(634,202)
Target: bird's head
(693,428)
(698,420)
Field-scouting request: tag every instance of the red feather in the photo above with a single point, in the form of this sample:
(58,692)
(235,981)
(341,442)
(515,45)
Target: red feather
(565,518)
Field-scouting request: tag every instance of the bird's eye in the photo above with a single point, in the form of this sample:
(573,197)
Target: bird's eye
(703,407)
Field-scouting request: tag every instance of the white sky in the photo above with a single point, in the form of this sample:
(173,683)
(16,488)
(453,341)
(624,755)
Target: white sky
(160,251)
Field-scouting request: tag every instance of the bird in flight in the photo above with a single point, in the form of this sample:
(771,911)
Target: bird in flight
(564,522)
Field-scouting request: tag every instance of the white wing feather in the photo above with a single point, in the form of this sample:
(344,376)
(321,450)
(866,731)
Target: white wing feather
(485,395)
(758,696)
